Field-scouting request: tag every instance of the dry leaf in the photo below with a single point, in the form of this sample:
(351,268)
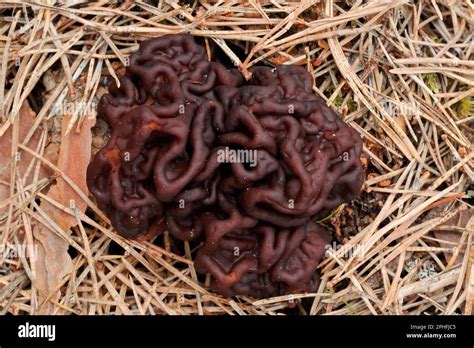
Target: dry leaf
(26,118)
(53,262)
(449,238)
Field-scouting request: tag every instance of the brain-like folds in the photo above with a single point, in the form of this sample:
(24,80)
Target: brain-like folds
(244,167)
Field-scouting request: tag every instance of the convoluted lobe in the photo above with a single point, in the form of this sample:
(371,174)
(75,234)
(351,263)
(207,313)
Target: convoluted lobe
(258,259)
(245,167)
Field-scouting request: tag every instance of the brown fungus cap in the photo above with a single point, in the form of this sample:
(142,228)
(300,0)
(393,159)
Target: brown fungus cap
(177,119)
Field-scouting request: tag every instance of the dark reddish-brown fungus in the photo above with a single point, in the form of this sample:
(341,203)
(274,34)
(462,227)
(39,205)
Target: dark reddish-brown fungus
(175,118)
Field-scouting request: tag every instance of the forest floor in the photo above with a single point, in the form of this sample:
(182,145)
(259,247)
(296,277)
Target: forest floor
(400,72)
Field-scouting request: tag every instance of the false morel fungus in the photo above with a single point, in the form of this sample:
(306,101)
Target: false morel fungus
(244,167)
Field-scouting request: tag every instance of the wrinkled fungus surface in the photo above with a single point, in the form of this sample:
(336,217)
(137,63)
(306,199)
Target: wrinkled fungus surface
(244,167)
